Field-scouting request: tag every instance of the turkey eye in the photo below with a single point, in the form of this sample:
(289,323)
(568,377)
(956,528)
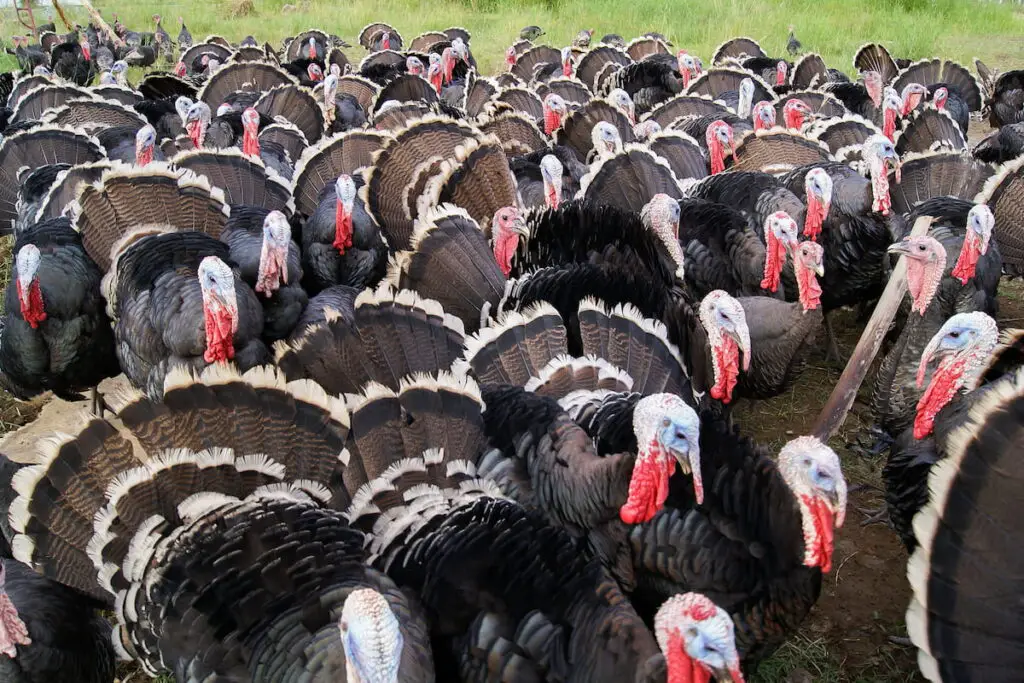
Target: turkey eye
(954,335)
(344,625)
(666,422)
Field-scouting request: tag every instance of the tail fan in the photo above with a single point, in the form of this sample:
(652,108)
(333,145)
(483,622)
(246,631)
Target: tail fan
(244,180)
(637,345)
(34,103)
(423,41)
(1007,357)
(118,93)
(874,57)
(371,31)
(642,47)
(127,197)
(930,130)
(478,94)
(735,48)
(406,88)
(477,179)
(321,164)
(687,105)
(577,127)
(451,263)
(364,90)
(527,62)
(823,104)
(394,335)
(37,147)
(777,151)
(719,80)
(395,169)
(931,71)
(517,348)
(91,114)
(849,131)
(959,617)
(288,136)
(936,174)
(23,86)
(519,134)
(810,71)
(565,375)
(569,89)
(522,100)
(595,60)
(1004,194)
(253,77)
(296,104)
(399,116)
(65,188)
(629,180)
(161,86)
(683,154)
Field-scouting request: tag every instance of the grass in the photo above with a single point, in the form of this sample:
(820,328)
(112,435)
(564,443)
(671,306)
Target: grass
(956,29)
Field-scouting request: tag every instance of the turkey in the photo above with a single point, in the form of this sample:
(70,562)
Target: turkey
(1005,100)
(55,334)
(966,535)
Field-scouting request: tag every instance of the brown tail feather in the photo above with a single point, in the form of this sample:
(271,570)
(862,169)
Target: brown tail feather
(401,116)
(244,77)
(569,89)
(683,154)
(735,48)
(523,101)
(517,348)
(128,197)
(848,131)
(428,138)
(809,71)
(565,374)
(931,71)
(477,179)
(478,94)
(519,134)
(638,346)
(595,60)
(395,334)
(34,103)
(823,104)
(639,48)
(244,180)
(720,80)
(295,104)
(406,88)
(364,90)
(1004,194)
(288,136)
(451,263)
(528,61)
(91,114)
(686,105)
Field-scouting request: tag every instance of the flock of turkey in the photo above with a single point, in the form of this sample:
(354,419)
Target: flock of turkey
(416,353)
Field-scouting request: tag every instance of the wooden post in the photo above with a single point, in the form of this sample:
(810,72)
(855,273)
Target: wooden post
(102,24)
(25,7)
(839,403)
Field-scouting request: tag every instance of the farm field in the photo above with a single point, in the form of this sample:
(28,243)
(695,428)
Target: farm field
(849,636)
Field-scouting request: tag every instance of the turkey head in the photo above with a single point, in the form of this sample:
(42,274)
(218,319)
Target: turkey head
(624,103)
(698,640)
(551,170)
(12,629)
(780,233)
(812,471)
(667,432)
(892,108)
(795,113)
(746,98)
(606,140)
(763,115)
(251,136)
(926,261)
(881,156)
(30,296)
(345,192)
(718,137)
(196,122)
(962,346)
(220,309)
(145,140)
(661,216)
(555,110)
(273,269)
(818,187)
(808,265)
(371,638)
(567,62)
(912,95)
(980,223)
(506,229)
(728,336)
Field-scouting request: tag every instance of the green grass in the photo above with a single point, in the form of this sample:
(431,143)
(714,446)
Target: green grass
(957,29)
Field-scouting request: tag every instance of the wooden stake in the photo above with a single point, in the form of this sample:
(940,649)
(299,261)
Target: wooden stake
(833,415)
(98,20)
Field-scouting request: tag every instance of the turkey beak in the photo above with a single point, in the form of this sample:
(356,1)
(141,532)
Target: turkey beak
(519,226)
(899,248)
(819,269)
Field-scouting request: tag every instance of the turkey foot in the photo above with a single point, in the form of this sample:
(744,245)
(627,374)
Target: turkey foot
(833,353)
(874,516)
(99,405)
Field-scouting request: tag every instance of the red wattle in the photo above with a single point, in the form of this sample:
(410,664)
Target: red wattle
(810,290)
(567,69)
(32,305)
(889,126)
(195,133)
(717,158)
(342,228)
(144,156)
(551,121)
(794,119)
(780,77)
(816,213)
(648,487)
(774,258)
(820,553)
(685,73)
(250,144)
(682,669)
(312,52)
(504,249)
(219,333)
(943,387)
(726,357)
(552,197)
(967,261)
(386,43)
